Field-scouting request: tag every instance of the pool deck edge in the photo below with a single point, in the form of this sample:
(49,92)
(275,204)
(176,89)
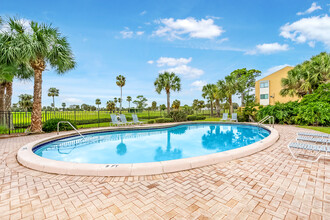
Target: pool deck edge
(28,158)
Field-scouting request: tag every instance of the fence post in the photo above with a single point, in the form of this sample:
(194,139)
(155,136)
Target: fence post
(75,119)
(9,122)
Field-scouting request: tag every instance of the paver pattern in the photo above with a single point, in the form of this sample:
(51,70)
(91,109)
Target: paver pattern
(267,185)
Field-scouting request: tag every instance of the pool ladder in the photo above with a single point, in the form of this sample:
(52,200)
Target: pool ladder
(270,119)
(58,128)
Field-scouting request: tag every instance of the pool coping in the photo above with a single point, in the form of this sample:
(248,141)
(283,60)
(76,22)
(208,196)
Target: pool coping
(28,158)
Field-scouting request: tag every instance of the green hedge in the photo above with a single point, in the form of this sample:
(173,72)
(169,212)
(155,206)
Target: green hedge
(51,125)
(195,117)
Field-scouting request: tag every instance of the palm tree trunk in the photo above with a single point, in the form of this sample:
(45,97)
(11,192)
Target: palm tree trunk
(242,96)
(211,108)
(2,96)
(54,104)
(36,123)
(168,102)
(121,97)
(129,106)
(231,105)
(8,96)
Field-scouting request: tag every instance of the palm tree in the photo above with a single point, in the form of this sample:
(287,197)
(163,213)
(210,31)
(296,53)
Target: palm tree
(167,81)
(63,105)
(25,102)
(121,83)
(111,106)
(209,91)
(98,103)
(52,92)
(129,99)
(115,100)
(36,45)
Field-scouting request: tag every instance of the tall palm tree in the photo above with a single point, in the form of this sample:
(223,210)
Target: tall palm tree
(129,99)
(25,102)
(209,92)
(36,45)
(231,89)
(121,83)
(52,92)
(220,95)
(98,103)
(167,81)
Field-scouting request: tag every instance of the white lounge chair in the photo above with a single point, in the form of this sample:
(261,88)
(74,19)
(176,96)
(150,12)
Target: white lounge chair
(314,139)
(234,117)
(123,120)
(136,119)
(314,151)
(314,134)
(115,121)
(224,117)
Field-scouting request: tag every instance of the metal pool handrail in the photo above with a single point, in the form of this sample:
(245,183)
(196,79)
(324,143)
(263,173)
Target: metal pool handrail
(58,128)
(270,119)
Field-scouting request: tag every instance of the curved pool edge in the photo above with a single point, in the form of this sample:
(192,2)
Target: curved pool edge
(28,158)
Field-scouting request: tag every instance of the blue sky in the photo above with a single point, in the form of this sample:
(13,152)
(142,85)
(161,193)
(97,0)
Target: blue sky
(202,41)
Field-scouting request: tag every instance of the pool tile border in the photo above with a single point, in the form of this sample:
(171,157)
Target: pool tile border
(27,158)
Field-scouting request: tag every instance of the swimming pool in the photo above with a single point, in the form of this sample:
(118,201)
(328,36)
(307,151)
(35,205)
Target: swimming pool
(145,150)
(154,145)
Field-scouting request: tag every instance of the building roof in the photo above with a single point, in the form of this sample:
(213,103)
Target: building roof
(287,67)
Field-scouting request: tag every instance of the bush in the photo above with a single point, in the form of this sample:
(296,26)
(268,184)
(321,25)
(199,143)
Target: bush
(51,125)
(178,116)
(160,120)
(168,120)
(3,129)
(151,121)
(200,117)
(191,117)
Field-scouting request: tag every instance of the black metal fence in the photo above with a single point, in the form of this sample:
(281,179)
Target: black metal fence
(18,122)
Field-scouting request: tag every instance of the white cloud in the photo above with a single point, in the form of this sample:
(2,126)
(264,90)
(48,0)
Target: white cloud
(127,33)
(150,62)
(170,61)
(268,48)
(139,33)
(315,28)
(143,13)
(186,71)
(198,85)
(175,29)
(313,8)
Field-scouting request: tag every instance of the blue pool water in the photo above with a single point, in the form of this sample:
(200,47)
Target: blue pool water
(152,145)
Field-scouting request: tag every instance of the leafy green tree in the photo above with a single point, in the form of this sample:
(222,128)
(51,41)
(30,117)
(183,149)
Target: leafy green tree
(231,88)
(176,104)
(25,102)
(111,106)
(115,100)
(305,78)
(245,82)
(140,102)
(210,92)
(153,105)
(167,81)
(98,103)
(63,105)
(129,99)
(121,83)
(36,46)
(52,92)
(195,104)
(201,104)
(162,107)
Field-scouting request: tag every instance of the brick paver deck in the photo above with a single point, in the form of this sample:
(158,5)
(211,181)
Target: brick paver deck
(266,185)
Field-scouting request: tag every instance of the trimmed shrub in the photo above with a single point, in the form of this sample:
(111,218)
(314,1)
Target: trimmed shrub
(160,120)
(151,121)
(178,116)
(3,129)
(200,117)
(51,125)
(191,117)
(168,120)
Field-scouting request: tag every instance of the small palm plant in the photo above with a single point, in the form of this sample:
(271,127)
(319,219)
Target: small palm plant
(98,103)
(121,83)
(25,102)
(52,92)
(63,106)
(36,45)
(167,81)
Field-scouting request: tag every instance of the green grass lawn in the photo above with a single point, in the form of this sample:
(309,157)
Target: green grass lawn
(321,129)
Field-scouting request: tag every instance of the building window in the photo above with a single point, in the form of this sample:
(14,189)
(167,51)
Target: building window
(264,85)
(264,96)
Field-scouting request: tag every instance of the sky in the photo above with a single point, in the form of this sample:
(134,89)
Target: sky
(201,41)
